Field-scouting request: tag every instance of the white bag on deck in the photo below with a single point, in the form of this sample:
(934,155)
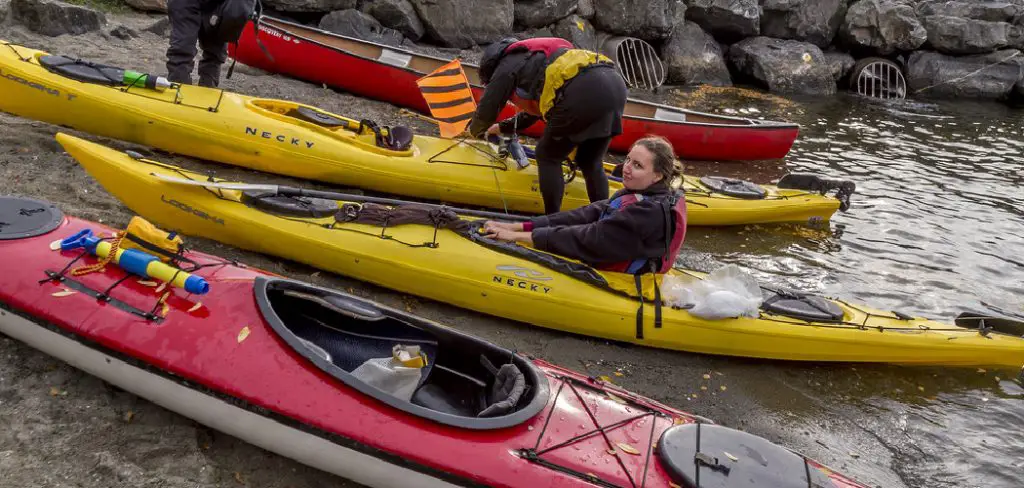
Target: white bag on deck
(727,292)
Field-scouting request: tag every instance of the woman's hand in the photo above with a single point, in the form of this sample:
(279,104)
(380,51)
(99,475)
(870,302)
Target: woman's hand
(494,130)
(491,226)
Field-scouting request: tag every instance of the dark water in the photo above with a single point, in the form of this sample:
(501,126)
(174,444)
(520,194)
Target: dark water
(938,227)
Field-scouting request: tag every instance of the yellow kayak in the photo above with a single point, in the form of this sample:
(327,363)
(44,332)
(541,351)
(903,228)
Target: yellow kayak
(282,137)
(464,269)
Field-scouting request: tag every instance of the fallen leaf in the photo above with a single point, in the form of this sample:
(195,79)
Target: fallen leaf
(315,274)
(529,428)
(703,388)
(195,307)
(673,485)
(165,309)
(55,245)
(161,287)
(54,391)
(920,388)
(63,293)
(592,475)
(997,379)
(148,283)
(678,421)
(618,373)
(611,451)
(128,416)
(854,455)
(982,371)
(242,334)
(238,478)
(582,27)
(731,457)
(628,449)
(707,376)
(615,398)
(723,388)
(605,379)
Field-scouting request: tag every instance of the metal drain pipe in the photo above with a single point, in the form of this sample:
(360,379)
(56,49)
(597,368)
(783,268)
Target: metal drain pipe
(636,60)
(878,78)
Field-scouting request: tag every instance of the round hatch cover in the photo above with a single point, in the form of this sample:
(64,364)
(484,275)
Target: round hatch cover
(25,217)
(712,456)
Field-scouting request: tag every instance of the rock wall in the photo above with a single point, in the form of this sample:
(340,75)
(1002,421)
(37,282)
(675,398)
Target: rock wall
(947,48)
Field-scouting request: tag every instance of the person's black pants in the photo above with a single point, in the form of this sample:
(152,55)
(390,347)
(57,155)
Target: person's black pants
(551,152)
(187,30)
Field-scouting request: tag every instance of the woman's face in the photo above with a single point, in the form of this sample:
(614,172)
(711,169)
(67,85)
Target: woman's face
(638,172)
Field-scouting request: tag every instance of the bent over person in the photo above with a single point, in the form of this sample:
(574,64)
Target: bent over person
(579,95)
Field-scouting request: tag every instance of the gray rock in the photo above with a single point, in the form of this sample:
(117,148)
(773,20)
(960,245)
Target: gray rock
(783,66)
(124,33)
(840,63)
(958,35)
(578,31)
(398,15)
(882,27)
(585,9)
(5,7)
(464,23)
(353,23)
(816,22)
(531,14)
(161,27)
(991,11)
(727,20)
(310,5)
(693,57)
(650,20)
(994,75)
(148,5)
(53,18)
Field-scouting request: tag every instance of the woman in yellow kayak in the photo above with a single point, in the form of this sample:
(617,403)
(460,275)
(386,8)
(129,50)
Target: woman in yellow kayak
(640,229)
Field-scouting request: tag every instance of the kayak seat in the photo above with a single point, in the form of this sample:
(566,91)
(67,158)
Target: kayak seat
(317,117)
(457,393)
(803,306)
(734,188)
(801,181)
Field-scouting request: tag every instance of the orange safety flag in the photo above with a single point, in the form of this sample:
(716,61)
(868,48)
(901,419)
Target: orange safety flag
(450,98)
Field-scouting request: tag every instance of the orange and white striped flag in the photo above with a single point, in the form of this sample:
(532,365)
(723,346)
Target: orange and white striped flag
(450,98)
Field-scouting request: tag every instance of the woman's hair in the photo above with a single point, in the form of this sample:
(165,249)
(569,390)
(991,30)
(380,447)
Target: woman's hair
(665,161)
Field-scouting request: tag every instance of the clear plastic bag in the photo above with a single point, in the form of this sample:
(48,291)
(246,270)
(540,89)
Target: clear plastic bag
(398,375)
(727,292)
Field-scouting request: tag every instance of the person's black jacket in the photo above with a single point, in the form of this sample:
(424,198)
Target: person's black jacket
(524,70)
(636,231)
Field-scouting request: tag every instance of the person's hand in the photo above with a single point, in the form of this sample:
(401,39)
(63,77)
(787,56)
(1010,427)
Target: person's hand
(491,226)
(494,130)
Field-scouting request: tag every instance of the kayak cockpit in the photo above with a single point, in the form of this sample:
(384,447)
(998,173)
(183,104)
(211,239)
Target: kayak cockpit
(452,378)
(393,141)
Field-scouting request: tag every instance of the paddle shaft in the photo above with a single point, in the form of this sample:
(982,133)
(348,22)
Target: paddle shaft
(301,192)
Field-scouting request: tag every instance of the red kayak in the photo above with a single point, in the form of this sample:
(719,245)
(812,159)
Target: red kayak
(389,74)
(276,362)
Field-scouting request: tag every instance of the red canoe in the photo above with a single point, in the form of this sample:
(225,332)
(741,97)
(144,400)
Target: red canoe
(389,74)
(272,361)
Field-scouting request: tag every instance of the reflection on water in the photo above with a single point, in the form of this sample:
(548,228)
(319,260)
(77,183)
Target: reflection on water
(938,227)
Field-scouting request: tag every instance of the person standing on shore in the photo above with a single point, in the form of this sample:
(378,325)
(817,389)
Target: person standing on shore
(578,93)
(210,24)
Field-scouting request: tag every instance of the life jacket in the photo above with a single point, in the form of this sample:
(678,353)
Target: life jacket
(675,225)
(564,62)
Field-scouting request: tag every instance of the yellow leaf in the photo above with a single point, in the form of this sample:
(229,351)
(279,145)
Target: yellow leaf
(611,451)
(997,379)
(161,287)
(707,376)
(920,388)
(628,449)
(238,478)
(150,284)
(195,307)
(982,371)
(730,456)
(615,398)
(605,379)
(128,416)
(242,334)
(703,388)
(63,293)
(723,388)
(54,391)
(673,485)
(165,310)
(618,373)
(581,25)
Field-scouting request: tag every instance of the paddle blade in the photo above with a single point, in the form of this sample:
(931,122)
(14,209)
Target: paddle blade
(1005,325)
(450,98)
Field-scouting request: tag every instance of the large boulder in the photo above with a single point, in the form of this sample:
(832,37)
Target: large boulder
(727,20)
(148,5)
(398,15)
(783,66)
(585,9)
(650,20)
(310,5)
(815,22)
(882,27)
(531,14)
(994,75)
(465,23)
(958,35)
(840,63)
(353,23)
(991,11)
(578,31)
(53,18)
(693,57)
